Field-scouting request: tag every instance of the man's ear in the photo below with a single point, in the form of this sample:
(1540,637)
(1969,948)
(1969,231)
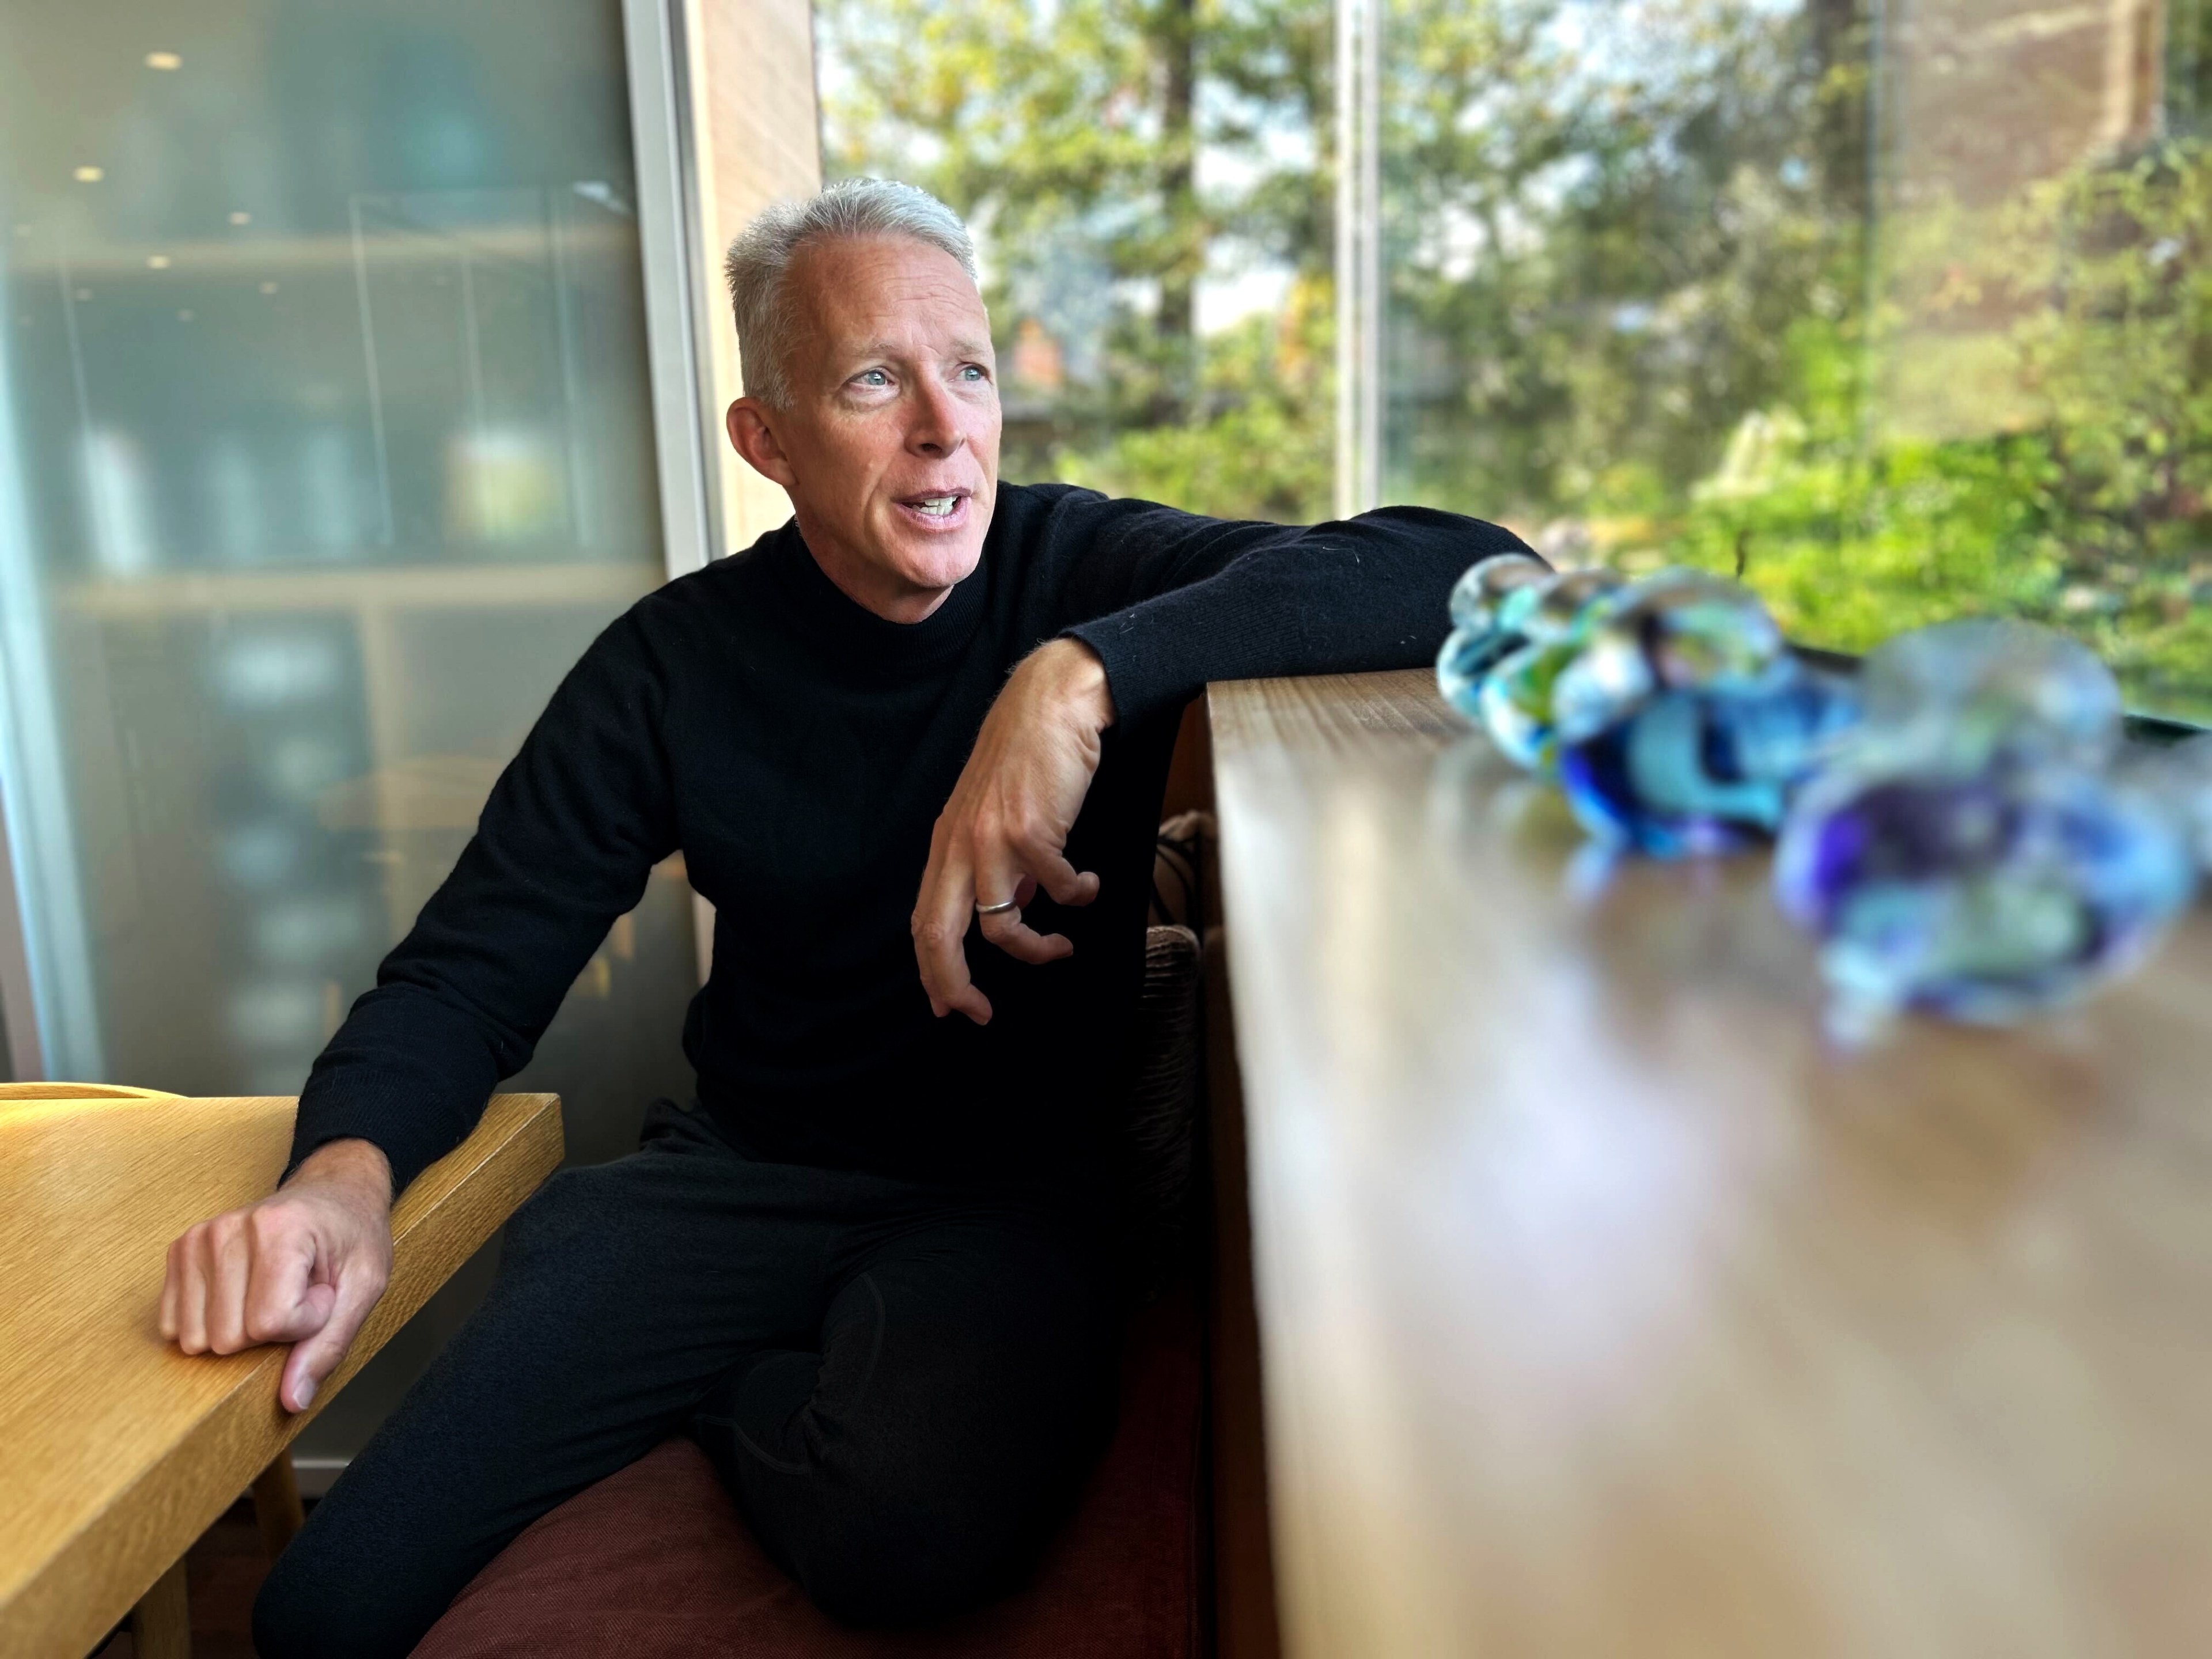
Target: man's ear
(752,437)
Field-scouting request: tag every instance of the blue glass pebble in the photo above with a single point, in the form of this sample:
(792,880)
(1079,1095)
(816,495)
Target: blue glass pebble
(1514,703)
(1478,598)
(1960,694)
(1488,605)
(1981,897)
(2181,779)
(1465,657)
(1561,606)
(1514,700)
(1696,772)
(1682,721)
(1676,631)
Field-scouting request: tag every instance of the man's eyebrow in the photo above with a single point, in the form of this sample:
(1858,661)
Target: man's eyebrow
(964,348)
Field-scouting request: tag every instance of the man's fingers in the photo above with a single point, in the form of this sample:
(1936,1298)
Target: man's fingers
(971,1002)
(170,1277)
(940,932)
(1021,941)
(1000,878)
(940,949)
(282,1304)
(1009,818)
(1018,874)
(317,1356)
(1024,944)
(191,1292)
(229,1271)
(1067,884)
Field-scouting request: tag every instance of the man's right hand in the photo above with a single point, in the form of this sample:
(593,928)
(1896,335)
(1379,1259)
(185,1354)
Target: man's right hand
(304,1266)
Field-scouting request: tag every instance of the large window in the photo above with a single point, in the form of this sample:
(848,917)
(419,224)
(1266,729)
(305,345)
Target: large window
(1902,308)
(1901,311)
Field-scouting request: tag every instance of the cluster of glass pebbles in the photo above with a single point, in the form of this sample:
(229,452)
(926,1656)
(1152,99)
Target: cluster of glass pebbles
(1963,830)
(1670,711)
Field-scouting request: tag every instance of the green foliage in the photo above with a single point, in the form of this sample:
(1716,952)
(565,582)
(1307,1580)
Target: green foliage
(1642,300)
(1263,445)
(2090,514)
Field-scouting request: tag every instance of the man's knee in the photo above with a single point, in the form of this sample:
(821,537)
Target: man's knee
(915,1470)
(899,1533)
(910,1565)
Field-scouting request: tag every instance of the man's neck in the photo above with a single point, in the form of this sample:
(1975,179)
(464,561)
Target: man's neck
(867,585)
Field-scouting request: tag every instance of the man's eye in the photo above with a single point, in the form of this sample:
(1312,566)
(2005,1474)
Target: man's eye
(871,377)
(974,372)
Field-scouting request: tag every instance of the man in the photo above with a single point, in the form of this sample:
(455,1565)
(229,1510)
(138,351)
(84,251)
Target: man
(912,746)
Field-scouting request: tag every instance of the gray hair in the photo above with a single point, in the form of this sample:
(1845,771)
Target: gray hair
(760,258)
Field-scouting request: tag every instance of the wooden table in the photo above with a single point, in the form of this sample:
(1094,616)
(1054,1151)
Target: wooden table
(117,1451)
(1606,1308)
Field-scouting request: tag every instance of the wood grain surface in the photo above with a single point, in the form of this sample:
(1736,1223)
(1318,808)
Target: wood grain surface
(116,1451)
(1607,1308)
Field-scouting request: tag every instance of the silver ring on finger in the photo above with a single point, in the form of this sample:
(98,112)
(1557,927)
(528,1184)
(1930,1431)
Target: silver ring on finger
(998,909)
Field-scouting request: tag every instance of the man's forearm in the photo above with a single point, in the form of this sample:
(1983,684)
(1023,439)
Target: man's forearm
(1069,684)
(1369,593)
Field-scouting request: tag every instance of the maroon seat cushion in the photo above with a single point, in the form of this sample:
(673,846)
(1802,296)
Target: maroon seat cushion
(653,1562)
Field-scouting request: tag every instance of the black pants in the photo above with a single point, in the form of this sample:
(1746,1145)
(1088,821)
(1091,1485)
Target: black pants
(900,1384)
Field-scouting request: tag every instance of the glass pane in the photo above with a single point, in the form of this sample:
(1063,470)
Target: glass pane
(1903,311)
(324,451)
(1149,190)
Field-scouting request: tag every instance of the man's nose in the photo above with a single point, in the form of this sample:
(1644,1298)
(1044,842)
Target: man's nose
(940,426)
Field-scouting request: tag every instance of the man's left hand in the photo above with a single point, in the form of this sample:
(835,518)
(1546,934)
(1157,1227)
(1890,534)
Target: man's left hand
(1004,833)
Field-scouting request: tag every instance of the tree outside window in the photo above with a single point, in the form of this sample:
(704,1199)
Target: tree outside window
(1899,313)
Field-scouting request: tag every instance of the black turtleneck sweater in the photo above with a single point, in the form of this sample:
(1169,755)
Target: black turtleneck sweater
(797,749)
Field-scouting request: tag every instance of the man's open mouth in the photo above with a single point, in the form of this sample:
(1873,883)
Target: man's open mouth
(941,509)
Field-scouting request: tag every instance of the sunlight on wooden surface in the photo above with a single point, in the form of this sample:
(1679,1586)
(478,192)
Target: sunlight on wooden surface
(1607,1309)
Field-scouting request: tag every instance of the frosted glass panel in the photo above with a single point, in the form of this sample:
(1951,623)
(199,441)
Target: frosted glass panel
(325,448)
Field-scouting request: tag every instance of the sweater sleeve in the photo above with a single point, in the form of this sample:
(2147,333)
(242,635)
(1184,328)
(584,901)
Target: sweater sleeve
(564,848)
(1169,600)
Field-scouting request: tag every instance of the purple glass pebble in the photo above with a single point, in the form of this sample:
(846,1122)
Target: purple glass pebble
(1976,852)
(1982,897)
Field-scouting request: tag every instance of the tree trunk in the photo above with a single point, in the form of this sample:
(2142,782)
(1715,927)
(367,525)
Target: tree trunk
(1185,246)
(1843,80)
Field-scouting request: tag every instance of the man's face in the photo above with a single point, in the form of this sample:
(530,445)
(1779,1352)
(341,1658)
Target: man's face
(890,445)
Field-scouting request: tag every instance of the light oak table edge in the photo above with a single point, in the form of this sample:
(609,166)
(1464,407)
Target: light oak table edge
(91,1580)
(1252,723)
